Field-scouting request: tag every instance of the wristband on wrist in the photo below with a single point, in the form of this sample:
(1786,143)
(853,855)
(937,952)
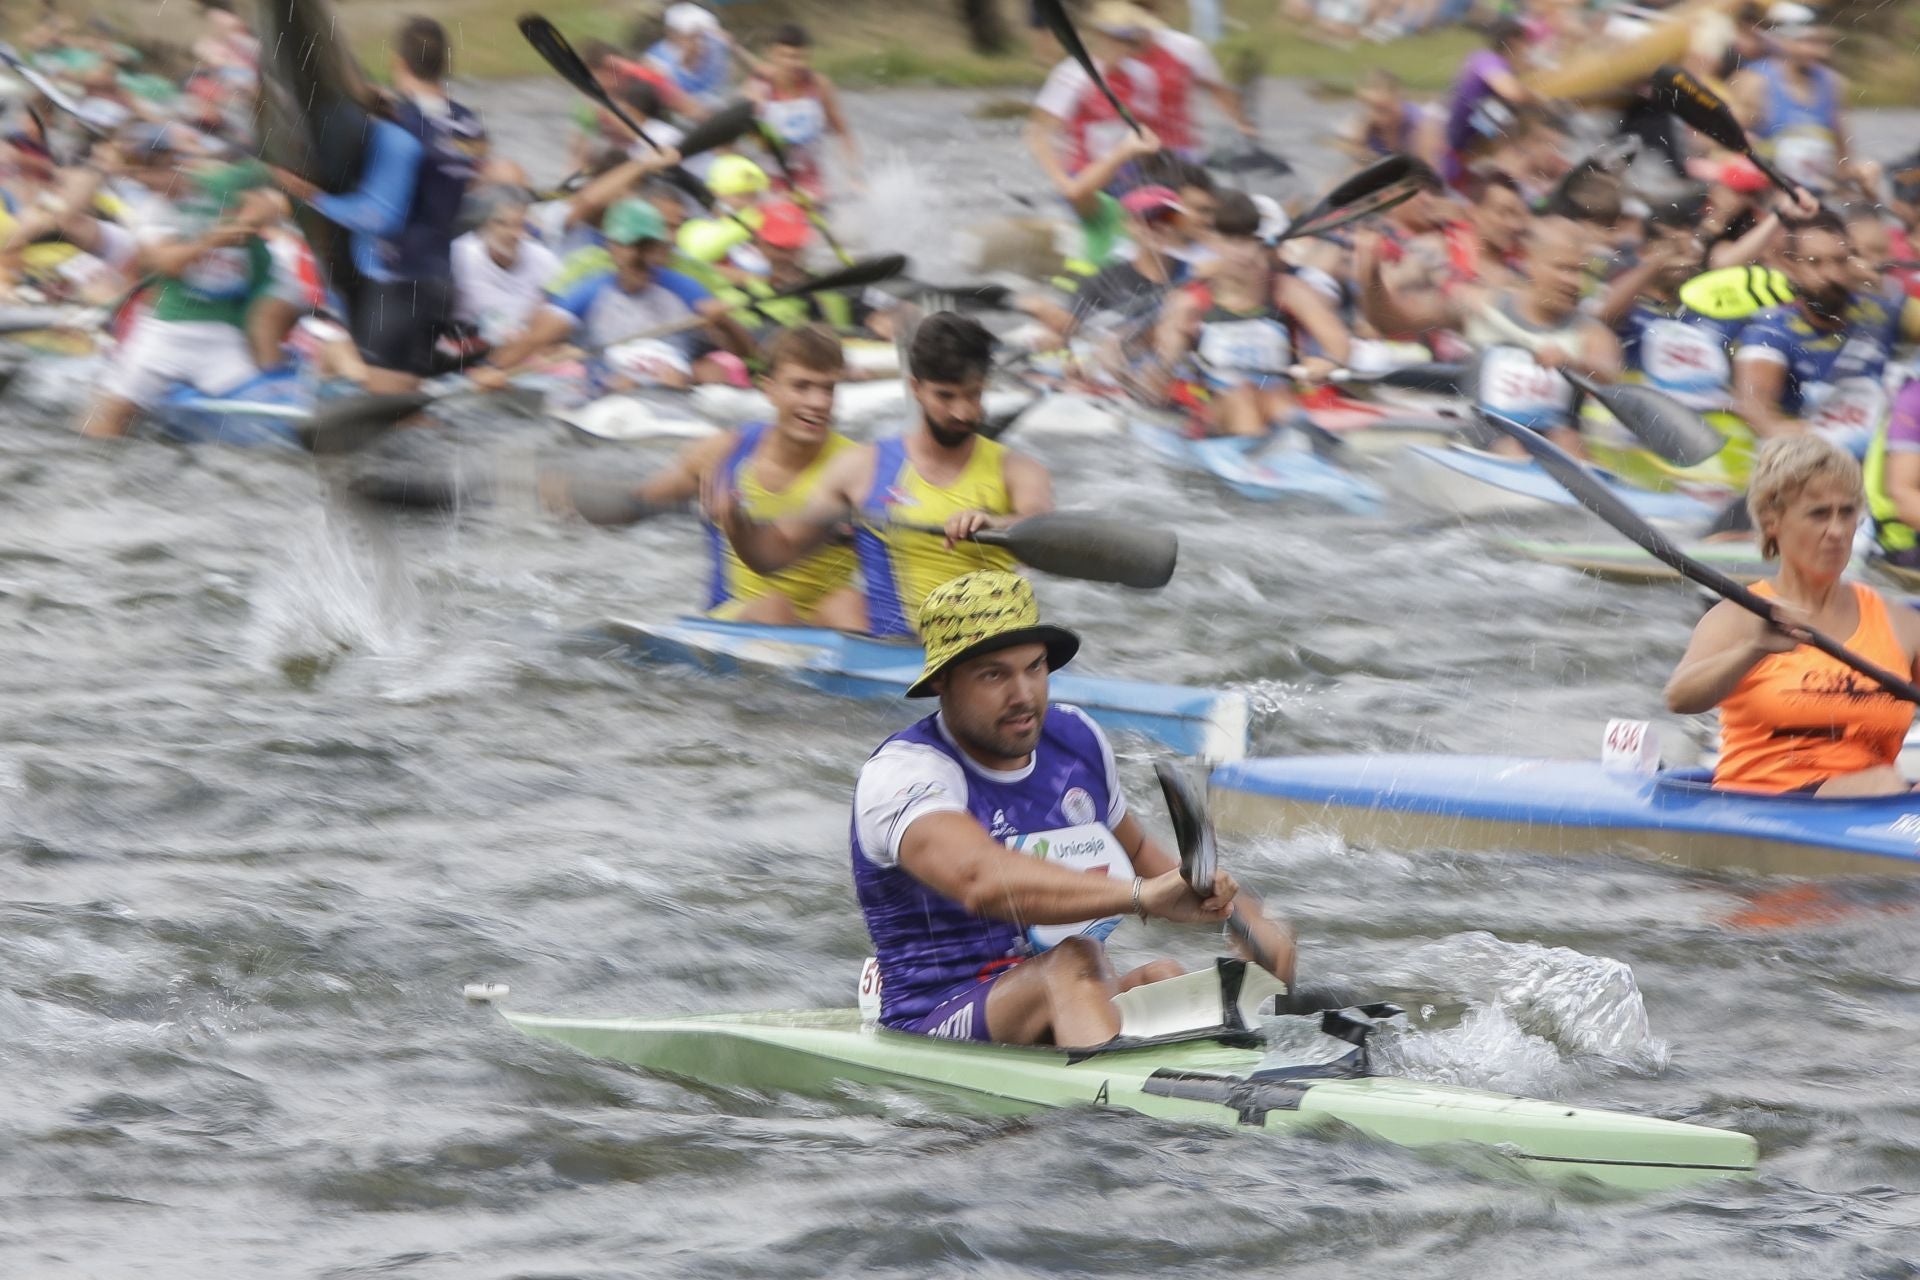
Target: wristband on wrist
(1139,908)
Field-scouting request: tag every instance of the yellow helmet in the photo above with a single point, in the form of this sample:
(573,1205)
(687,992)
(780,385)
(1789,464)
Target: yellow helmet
(711,239)
(736,176)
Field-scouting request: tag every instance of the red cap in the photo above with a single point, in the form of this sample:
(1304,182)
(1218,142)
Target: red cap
(785,226)
(1144,200)
(1741,174)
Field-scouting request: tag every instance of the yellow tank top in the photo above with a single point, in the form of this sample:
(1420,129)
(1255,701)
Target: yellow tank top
(807,583)
(1799,718)
(899,567)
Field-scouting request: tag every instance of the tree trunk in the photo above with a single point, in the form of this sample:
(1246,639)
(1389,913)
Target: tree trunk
(986,29)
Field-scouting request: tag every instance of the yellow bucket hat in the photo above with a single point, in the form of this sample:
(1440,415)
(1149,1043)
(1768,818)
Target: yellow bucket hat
(980,613)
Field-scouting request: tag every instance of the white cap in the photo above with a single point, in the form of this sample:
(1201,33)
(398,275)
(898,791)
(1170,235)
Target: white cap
(1788,16)
(687,19)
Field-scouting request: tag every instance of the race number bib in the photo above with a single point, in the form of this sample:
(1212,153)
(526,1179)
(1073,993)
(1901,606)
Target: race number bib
(1087,847)
(1687,362)
(1807,157)
(1515,387)
(1248,347)
(798,122)
(1847,410)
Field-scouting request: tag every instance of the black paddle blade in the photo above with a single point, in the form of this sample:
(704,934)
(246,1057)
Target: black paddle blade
(1388,181)
(554,49)
(1441,379)
(1054,14)
(1662,423)
(413,489)
(1076,544)
(1192,827)
(1680,92)
(352,424)
(984,297)
(864,272)
(718,129)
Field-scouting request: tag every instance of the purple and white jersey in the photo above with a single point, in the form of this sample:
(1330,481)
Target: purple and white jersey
(1062,806)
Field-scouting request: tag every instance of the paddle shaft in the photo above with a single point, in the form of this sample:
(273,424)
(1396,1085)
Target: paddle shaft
(1594,495)
(1054,13)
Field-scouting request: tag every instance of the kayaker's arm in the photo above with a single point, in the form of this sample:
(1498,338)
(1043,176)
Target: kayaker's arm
(1726,645)
(952,854)
(681,479)
(1042,128)
(1310,309)
(1759,378)
(770,547)
(1083,190)
(548,326)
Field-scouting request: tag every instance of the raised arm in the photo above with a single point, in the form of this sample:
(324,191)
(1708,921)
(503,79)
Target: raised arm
(1726,644)
(771,547)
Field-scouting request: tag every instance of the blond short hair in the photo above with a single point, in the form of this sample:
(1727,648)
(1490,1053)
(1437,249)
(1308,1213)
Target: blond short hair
(1782,472)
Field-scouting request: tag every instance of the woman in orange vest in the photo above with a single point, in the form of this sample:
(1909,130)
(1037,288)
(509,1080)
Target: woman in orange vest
(1791,718)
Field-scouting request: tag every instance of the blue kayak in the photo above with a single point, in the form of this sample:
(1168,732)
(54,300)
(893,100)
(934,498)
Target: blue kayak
(1472,482)
(1258,468)
(263,413)
(1208,723)
(1513,804)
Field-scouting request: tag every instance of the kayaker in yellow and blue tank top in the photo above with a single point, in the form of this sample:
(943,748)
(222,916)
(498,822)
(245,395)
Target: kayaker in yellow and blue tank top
(775,469)
(941,473)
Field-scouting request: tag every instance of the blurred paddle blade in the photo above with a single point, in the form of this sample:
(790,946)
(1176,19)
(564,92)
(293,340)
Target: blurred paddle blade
(1662,423)
(347,425)
(1192,827)
(718,129)
(1076,544)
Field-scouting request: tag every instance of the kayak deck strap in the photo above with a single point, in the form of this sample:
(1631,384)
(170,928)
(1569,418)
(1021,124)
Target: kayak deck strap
(1248,1097)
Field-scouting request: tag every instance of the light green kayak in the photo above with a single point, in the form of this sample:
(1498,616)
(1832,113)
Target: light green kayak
(1625,562)
(1219,1076)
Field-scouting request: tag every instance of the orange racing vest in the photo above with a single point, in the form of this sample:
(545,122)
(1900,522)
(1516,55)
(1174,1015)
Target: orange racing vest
(1799,718)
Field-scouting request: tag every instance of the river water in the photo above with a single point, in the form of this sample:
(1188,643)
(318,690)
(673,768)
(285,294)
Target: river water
(278,776)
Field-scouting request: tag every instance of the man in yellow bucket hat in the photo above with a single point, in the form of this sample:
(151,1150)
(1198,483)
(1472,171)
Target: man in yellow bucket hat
(993,851)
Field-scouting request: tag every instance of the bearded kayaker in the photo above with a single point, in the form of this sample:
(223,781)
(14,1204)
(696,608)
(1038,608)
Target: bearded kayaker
(941,473)
(1817,361)
(1792,718)
(993,850)
(775,468)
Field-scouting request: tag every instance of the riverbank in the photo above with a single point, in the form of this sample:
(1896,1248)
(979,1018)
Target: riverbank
(878,44)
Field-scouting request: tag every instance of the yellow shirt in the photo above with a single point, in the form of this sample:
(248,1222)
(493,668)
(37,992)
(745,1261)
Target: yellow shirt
(899,566)
(807,583)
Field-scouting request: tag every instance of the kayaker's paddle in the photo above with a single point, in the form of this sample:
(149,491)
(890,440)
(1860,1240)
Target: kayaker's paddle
(717,130)
(1078,544)
(1656,419)
(1389,181)
(1054,14)
(1200,859)
(1597,498)
(1441,379)
(347,425)
(51,92)
(1681,93)
(860,274)
(795,192)
(1662,423)
(555,50)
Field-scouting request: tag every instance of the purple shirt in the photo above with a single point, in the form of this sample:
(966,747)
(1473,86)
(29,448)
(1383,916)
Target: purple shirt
(1062,806)
(1903,424)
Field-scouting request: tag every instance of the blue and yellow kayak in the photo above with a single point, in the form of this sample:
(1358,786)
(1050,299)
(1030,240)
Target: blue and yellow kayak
(1208,723)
